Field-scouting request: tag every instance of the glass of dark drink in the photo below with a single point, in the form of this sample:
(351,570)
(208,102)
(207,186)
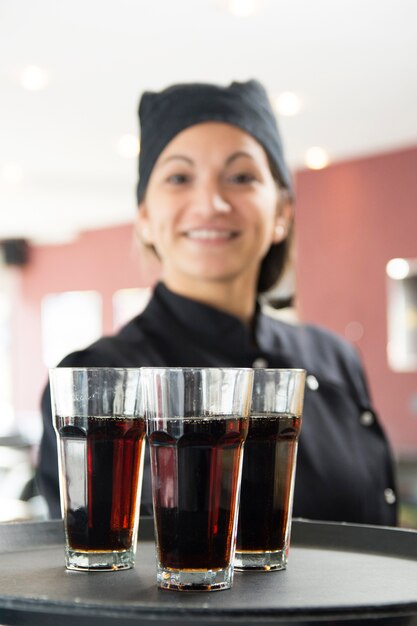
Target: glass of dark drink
(100,427)
(196,421)
(268,474)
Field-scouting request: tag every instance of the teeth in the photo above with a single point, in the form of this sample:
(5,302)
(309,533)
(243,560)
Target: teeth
(209,234)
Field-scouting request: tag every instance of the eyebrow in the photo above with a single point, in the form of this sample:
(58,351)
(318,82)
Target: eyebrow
(238,155)
(230,159)
(177,156)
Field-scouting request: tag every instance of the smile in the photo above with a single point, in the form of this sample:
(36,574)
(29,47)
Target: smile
(211,234)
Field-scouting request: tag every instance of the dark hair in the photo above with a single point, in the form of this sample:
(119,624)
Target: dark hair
(166,113)
(277,258)
(275,263)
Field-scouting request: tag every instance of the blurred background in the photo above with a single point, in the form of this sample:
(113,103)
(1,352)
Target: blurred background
(342,78)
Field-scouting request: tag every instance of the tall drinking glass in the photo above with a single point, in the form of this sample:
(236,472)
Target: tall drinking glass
(196,422)
(100,429)
(268,473)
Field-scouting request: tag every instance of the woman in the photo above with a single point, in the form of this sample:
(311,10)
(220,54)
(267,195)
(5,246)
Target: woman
(214,198)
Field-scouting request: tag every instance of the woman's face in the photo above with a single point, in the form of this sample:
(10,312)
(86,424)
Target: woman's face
(211,208)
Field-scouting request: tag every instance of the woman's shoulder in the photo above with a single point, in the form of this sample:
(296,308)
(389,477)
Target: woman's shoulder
(311,337)
(322,352)
(127,348)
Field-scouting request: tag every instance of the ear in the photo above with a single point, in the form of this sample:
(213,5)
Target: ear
(283,219)
(142,226)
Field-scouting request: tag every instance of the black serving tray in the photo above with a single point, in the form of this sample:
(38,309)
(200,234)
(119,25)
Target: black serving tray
(337,573)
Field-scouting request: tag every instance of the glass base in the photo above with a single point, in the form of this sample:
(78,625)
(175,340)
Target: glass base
(194,580)
(98,561)
(262,561)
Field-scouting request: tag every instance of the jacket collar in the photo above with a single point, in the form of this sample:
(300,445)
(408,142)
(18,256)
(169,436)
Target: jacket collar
(202,319)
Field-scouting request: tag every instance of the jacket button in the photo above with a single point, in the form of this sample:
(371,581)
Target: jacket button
(260,362)
(367,418)
(390,497)
(312,382)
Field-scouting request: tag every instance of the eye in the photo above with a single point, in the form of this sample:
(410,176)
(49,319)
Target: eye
(242,178)
(178,179)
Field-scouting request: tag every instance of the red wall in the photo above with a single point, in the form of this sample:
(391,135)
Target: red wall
(352,218)
(103,260)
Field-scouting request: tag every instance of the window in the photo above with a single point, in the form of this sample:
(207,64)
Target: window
(402,315)
(6,408)
(127,303)
(70,321)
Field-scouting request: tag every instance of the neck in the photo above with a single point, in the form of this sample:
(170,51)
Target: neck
(238,299)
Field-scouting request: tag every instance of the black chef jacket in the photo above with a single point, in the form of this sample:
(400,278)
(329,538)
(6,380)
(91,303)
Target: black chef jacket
(344,468)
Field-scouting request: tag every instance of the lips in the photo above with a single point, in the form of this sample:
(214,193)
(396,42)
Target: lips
(210,234)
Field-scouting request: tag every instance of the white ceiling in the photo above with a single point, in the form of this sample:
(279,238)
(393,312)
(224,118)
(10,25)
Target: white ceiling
(353,62)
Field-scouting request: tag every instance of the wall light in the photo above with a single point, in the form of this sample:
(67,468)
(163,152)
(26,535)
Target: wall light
(316,158)
(398,269)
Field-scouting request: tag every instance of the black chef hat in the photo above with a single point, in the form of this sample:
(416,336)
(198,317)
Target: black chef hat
(164,114)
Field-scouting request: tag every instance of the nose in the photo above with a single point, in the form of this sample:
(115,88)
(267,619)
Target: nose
(211,199)
(220,205)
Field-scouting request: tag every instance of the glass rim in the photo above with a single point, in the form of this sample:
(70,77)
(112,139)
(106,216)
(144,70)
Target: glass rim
(84,369)
(294,370)
(281,370)
(196,369)
(179,369)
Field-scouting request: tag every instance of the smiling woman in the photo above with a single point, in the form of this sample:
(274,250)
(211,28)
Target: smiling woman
(212,210)
(215,204)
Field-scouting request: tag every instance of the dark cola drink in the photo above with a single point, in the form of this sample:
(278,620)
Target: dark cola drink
(267,483)
(101,460)
(196,468)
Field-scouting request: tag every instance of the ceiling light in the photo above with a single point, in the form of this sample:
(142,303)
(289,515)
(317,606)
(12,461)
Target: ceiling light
(128,146)
(34,78)
(316,158)
(287,103)
(242,8)
(11,174)
(398,269)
